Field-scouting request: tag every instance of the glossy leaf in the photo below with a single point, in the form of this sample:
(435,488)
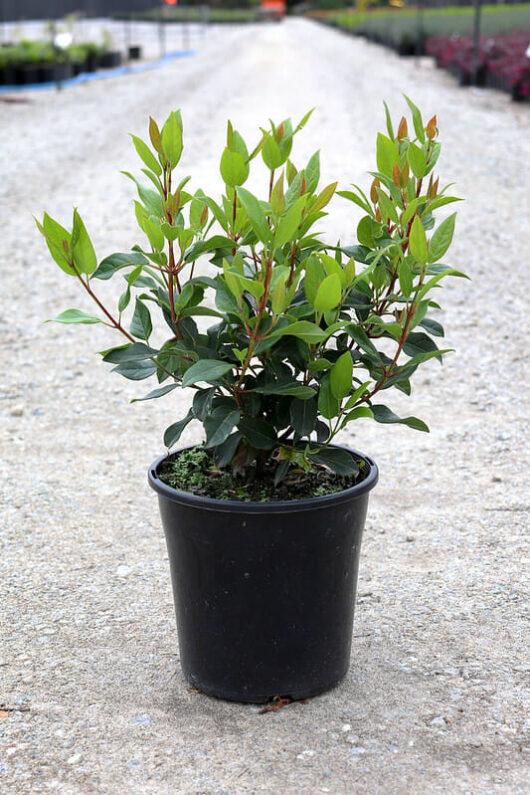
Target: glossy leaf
(156,393)
(256,215)
(328,294)
(174,432)
(338,460)
(146,155)
(442,238)
(303,415)
(258,432)
(304,330)
(75,316)
(206,370)
(219,424)
(141,325)
(82,248)
(418,241)
(340,376)
(385,415)
(328,405)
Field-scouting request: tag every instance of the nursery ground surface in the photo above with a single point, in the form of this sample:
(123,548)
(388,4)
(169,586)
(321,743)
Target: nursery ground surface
(93,699)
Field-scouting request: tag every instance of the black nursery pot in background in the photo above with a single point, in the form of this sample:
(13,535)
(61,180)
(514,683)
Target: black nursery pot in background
(264,592)
(134,52)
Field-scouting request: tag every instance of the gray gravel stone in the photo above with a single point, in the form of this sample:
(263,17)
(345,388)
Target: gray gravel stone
(93,697)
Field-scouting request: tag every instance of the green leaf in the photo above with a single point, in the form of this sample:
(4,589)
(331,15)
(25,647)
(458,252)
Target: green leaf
(319,364)
(387,207)
(405,278)
(154,135)
(441,239)
(423,357)
(385,415)
(115,262)
(271,154)
(314,274)
(304,330)
(258,432)
(58,241)
(358,334)
(328,294)
(225,452)
(418,241)
(149,198)
(146,155)
(417,120)
(367,229)
(174,432)
(74,316)
(323,198)
(417,160)
(353,197)
(433,327)
(137,370)
(293,389)
(234,169)
(134,352)
(339,461)
(340,375)
(328,405)
(256,215)
(357,414)
(82,248)
(141,325)
(440,201)
(386,154)
(418,342)
(354,397)
(123,301)
(202,402)
(206,370)
(219,424)
(156,393)
(289,223)
(281,471)
(312,173)
(389,127)
(172,139)
(303,416)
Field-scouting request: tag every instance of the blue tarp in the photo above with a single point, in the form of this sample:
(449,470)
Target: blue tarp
(119,70)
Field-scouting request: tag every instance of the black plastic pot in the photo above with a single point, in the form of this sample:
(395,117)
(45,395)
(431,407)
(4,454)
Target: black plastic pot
(27,75)
(110,60)
(7,76)
(264,592)
(53,73)
(135,52)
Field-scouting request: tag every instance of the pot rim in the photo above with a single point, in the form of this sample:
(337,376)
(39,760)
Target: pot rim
(276,506)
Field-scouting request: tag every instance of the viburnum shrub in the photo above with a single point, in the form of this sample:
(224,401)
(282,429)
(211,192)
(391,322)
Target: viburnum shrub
(305,336)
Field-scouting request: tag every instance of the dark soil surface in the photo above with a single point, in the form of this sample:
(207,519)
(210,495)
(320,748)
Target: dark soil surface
(194,470)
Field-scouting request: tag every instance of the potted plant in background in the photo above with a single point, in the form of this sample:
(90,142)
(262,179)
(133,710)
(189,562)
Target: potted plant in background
(109,58)
(289,341)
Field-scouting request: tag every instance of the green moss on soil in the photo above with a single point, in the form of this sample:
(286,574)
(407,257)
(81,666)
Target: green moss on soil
(195,471)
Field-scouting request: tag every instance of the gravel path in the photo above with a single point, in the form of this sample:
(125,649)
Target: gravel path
(94,701)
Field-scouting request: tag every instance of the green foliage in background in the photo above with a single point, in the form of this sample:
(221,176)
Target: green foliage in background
(402,24)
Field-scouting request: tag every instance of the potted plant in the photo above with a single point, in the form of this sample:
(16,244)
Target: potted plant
(264,520)
(108,58)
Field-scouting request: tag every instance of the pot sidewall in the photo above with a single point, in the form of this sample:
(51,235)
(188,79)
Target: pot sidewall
(264,594)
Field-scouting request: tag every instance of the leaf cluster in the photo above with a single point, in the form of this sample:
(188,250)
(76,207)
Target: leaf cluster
(305,336)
